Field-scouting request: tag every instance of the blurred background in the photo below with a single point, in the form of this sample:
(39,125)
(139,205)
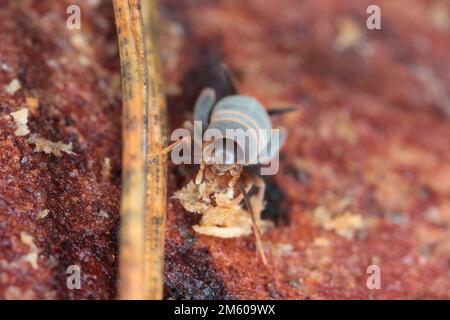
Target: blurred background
(365,174)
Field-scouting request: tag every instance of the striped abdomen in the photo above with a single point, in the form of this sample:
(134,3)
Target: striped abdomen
(247,114)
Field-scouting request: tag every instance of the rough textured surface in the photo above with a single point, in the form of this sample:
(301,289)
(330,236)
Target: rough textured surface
(365,176)
(59,211)
(363,180)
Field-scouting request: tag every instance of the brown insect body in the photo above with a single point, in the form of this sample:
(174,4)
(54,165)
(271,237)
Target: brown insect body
(231,112)
(227,173)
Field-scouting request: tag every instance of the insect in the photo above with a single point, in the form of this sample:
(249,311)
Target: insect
(223,168)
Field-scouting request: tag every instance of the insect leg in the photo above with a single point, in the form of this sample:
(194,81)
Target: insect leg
(230,79)
(240,197)
(256,231)
(261,185)
(200,174)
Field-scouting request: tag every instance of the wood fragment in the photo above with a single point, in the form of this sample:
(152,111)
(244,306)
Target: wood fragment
(143,202)
(157,168)
(132,212)
(21,120)
(12,87)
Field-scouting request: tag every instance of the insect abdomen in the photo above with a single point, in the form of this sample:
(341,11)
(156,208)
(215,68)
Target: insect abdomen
(245,113)
(239,112)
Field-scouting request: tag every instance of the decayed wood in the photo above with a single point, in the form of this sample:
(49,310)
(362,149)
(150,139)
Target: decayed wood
(144,184)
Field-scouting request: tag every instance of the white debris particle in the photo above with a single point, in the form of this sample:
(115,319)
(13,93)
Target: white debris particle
(5,67)
(221,232)
(52,63)
(191,198)
(13,87)
(321,242)
(42,214)
(344,225)
(47,146)
(79,41)
(32,256)
(26,238)
(223,218)
(349,34)
(103,213)
(106,168)
(73,173)
(84,61)
(21,120)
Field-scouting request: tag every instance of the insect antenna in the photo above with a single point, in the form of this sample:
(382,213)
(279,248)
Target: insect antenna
(229,78)
(254,225)
(279,111)
(170,147)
